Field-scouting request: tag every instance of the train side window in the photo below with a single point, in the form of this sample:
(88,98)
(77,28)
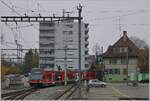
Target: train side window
(44,77)
(49,77)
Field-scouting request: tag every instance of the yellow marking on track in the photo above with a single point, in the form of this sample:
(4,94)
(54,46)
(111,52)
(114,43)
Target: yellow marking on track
(122,94)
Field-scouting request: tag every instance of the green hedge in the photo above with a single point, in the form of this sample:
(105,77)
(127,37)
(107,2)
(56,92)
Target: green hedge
(119,78)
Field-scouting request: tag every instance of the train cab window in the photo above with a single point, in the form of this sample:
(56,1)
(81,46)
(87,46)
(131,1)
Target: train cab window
(58,76)
(49,77)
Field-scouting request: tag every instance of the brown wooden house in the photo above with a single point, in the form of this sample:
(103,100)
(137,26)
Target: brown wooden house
(121,58)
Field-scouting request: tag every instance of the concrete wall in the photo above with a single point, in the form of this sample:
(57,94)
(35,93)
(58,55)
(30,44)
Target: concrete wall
(60,43)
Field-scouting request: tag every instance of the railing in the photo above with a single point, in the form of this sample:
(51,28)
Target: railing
(47,34)
(46,41)
(46,55)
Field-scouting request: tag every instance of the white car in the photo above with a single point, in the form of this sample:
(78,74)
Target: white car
(96,83)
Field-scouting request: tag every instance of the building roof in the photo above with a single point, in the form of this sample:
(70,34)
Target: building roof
(124,41)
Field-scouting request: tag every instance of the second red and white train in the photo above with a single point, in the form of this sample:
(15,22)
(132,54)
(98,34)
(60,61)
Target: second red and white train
(44,77)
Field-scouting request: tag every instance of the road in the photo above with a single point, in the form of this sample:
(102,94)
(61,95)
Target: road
(142,91)
(115,91)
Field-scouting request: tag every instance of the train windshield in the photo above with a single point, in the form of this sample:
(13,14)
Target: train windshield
(36,74)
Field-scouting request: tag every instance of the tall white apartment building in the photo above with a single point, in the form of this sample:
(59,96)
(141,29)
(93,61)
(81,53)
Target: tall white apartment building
(58,43)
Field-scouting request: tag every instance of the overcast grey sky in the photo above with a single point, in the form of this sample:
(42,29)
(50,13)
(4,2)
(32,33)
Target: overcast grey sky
(102,15)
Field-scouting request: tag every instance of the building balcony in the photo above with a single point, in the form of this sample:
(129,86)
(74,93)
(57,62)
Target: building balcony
(86,49)
(86,36)
(46,62)
(46,55)
(46,41)
(86,62)
(86,55)
(46,48)
(46,27)
(86,43)
(53,35)
(87,30)
(86,25)
(68,21)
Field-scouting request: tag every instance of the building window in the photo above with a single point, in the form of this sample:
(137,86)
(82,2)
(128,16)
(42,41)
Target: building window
(68,32)
(47,45)
(68,36)
(110,71)
(69,60)
(47,58)
(69,40)
(124,71)
(69,25)
(125,49)
(47,52)
(119,49)
(60,60)
(69,46)
(51,31)
(47,31)
(47,38)
(113,61)
(116,71)
(69,53)
(51,24)
(116,49)
(123,60)
(47,24)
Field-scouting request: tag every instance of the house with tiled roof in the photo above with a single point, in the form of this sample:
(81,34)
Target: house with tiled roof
(121,59)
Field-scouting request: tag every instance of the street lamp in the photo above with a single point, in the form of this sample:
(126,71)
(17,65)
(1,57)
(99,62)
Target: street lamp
(127,59)
(65,64)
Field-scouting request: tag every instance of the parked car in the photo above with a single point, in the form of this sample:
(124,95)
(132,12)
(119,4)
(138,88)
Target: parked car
(96,83)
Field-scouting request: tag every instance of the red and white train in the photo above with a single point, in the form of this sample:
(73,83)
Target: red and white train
(44,77)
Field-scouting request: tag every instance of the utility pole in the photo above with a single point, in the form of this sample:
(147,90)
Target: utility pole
(16,41)
(65,64)
(63,13)
(79,8)
(119,25)
(19,52)
(127,59)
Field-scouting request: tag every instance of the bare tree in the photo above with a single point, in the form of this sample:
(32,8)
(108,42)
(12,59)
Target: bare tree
(96,49)
(139,42)
(143,58)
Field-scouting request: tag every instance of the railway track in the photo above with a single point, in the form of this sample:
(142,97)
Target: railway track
(18,95)
(64,95)
(59,95)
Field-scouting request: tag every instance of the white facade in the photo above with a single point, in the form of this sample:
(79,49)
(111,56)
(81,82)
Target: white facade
(59,44)
(132,65)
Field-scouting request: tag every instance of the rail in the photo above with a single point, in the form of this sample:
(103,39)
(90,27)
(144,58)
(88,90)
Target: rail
(18,95)
(65,94)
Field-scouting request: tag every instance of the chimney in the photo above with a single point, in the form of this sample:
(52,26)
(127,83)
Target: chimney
(124,32)
(124,35)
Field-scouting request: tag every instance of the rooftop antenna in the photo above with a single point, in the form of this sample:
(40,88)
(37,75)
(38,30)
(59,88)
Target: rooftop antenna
(53,15)
(119,25)
(2,38)
(63,13)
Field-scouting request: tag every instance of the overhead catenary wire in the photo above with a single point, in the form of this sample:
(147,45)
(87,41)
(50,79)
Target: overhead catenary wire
(15,11)
(122,15)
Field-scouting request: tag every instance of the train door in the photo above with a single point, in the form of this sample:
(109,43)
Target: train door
(48,77)
(59,77)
